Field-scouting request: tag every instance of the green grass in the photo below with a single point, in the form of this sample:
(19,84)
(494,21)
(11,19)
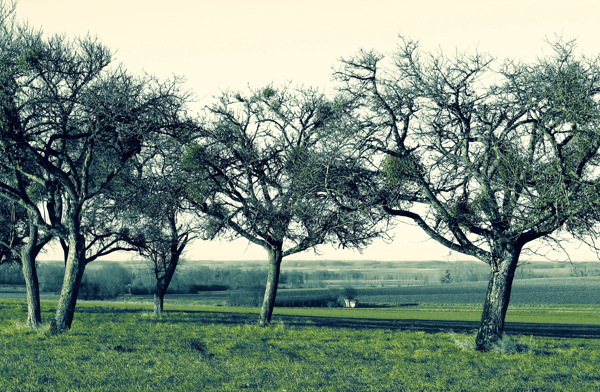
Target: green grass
(539,314)
(549,314)
(120,347)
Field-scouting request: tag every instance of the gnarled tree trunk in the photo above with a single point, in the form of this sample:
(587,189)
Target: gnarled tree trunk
(266,311)
(159,302)
(164,280)
(74,269)
(28,255)
(491,329)
(162,284)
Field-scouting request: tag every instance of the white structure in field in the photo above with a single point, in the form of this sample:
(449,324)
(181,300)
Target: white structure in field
(350,303)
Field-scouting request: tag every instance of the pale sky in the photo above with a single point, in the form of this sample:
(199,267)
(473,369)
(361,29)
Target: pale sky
(225,44)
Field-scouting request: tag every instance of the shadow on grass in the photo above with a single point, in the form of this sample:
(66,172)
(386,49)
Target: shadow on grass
(105,309)
(432,326)
(222,318)
(429,326)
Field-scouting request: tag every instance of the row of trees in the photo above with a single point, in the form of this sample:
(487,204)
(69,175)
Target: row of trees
(484,158)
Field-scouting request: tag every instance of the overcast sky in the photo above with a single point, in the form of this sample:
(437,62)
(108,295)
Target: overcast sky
(224,44)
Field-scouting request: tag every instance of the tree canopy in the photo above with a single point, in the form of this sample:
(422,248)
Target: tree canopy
(484,160)
(264,166)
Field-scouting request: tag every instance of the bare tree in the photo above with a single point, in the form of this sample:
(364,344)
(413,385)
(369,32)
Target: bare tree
(264,164)
(485,161)
(153,207)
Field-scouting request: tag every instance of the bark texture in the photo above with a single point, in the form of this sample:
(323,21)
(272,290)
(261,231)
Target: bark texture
(28,255)
(74,269)
(266,311)
(159,301)
(165,275)
(491,329)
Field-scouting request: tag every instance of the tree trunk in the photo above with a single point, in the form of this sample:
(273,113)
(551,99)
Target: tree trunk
(74,268)
(163,282)
(159,301)
(165,275)
(266,311)
(28,255)
(491,329)
(159,295)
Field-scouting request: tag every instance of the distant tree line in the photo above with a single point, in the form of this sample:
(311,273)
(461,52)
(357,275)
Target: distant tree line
(488,159)
(110,280)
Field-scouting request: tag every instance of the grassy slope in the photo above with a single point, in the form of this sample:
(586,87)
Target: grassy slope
(115,347)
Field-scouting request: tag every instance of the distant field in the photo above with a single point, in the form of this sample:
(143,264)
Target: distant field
(566,291)
(561,291)
(525,292)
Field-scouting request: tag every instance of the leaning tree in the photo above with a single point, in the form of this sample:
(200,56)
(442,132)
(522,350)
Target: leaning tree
(484,160)
(264,164)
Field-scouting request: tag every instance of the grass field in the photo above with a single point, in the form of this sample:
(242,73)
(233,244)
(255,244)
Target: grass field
(121,347)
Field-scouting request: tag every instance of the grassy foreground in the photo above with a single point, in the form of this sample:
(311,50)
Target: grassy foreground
(115,347)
